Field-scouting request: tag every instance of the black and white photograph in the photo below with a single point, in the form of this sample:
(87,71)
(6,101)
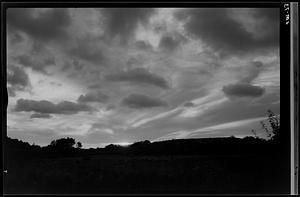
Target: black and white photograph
(145,100)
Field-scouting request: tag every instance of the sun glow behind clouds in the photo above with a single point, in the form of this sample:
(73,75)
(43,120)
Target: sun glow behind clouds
(123,143)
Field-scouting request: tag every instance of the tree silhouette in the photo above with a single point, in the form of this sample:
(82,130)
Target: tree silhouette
(63,143)
(78,145)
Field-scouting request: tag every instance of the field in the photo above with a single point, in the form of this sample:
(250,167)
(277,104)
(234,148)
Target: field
(111,174)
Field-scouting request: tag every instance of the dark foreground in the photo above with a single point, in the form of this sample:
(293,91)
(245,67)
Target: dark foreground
(112,173)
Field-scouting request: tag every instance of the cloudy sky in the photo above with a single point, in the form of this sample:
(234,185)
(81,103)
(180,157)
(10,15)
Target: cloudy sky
(115,75)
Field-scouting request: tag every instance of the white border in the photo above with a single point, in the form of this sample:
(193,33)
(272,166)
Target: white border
(293,83)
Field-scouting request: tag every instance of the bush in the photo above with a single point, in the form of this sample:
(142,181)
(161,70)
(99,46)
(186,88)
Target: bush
(273,132)
(63,143)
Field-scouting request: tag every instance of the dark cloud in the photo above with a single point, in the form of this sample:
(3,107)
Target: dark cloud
(243,90)
(139,75)
(123,22)
(271,18)
(142,101)
(94,86)
(87,49)
(171,42)
(93,97)
(45,26)
(67,66)
(38,47)
(30,62)
(189,104)
(77,65)
(17,78)
(47,107)
(49,61)
(25,60)
(223,33)
(143,45)
(40,115)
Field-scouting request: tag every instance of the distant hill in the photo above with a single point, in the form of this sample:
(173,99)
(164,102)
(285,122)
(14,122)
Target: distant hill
(14,148)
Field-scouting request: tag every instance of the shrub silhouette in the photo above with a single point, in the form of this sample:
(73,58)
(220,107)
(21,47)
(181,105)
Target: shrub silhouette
(273,133)
(112,148)
(141,143)
(274,121)
(63,143)
(78,145)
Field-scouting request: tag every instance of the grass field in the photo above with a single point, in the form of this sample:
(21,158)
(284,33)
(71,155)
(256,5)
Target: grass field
(224,174)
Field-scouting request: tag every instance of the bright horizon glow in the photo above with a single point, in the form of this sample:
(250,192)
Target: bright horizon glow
(123,143)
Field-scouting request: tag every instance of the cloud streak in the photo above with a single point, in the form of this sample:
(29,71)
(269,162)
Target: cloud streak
(243,90)
(40,115)
(139,101)
(47,107)
(219,127)
(139,76)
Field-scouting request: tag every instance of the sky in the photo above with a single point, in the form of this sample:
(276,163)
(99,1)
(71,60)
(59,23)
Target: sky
(122,75)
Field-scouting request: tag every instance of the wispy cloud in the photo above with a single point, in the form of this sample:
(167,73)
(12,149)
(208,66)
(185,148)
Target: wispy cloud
(210,129)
